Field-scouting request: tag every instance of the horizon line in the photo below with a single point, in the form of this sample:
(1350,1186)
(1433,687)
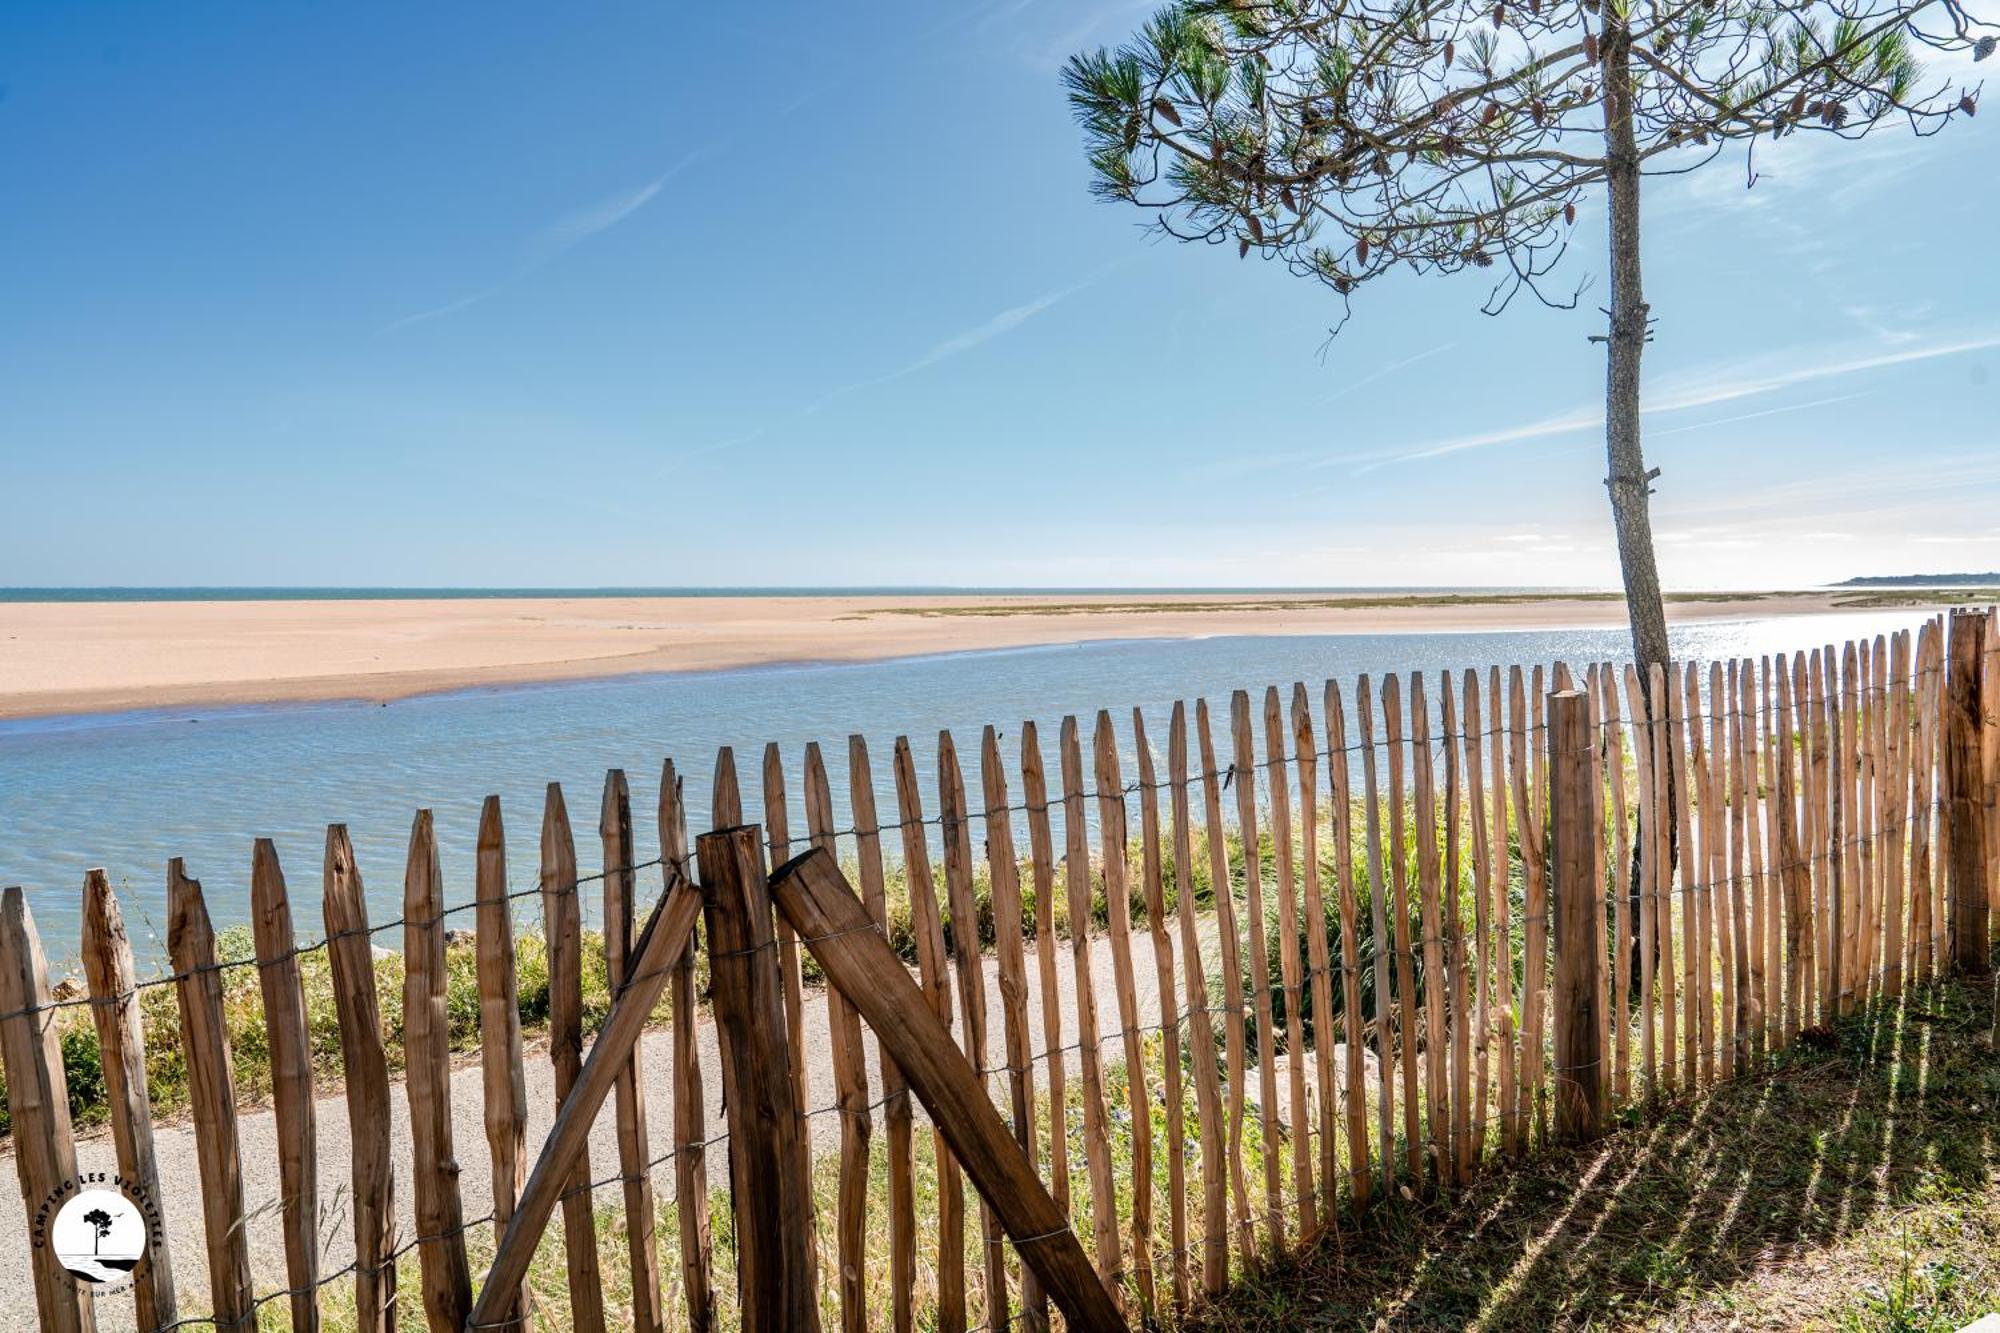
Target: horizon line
(360,592)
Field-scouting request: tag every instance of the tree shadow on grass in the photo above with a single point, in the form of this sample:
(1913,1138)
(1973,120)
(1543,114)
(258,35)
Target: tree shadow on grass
(1675,1209)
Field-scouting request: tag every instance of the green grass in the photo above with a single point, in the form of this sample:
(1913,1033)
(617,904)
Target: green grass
(243,1013)
(1919,597)
(243,1009)
(1846,1189)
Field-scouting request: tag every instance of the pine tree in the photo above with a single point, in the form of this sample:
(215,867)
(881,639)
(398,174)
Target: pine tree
(1351,138)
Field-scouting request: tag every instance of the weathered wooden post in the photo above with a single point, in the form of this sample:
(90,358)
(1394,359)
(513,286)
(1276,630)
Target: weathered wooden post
(562,927)
(38,1098)
(503,1077)
(211,1097)
(1965,794)
(350,953)
(614,830)
(290,1039)
(1579,1016)
(770,1194)
(114,1008)
(440,1213)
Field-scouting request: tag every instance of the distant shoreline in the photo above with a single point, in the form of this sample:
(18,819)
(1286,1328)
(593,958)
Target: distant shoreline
(98,657)
(1966,581)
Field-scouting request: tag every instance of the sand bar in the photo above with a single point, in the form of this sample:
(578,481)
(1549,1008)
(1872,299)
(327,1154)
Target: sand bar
(92,657)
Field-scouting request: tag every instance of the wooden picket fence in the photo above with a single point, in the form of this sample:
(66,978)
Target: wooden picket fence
(1375,948)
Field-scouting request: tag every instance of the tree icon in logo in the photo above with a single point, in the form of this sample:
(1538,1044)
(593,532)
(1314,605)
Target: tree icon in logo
(99,1222)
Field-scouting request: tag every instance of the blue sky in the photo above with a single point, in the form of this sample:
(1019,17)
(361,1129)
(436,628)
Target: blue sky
(507,294)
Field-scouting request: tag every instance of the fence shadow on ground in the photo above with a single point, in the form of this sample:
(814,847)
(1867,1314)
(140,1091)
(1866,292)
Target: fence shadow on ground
(1673,1217)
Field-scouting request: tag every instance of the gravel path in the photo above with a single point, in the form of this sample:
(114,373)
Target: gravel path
(181,1183)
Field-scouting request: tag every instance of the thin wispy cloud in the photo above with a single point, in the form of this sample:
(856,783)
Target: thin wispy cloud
(958,344)
(1755,416)
(1385,372)
(1706,387)
(1890,487)
(1042,46)
(1229,467)
(1003,323)
(1703,387)
(1891,325)
(449,308)
(587,222)
(999,13)
(565,233)
(1566,423)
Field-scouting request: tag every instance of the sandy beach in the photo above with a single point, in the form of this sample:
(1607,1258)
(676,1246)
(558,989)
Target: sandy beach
(89,657)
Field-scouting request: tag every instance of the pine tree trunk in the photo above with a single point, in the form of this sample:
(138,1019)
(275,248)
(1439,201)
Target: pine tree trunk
(1628,484)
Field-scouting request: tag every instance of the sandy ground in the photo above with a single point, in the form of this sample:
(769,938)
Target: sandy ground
(180,1178)
(84,657)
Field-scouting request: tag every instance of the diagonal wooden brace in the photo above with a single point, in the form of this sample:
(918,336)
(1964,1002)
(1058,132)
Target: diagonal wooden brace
(659,948)
(831,921)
